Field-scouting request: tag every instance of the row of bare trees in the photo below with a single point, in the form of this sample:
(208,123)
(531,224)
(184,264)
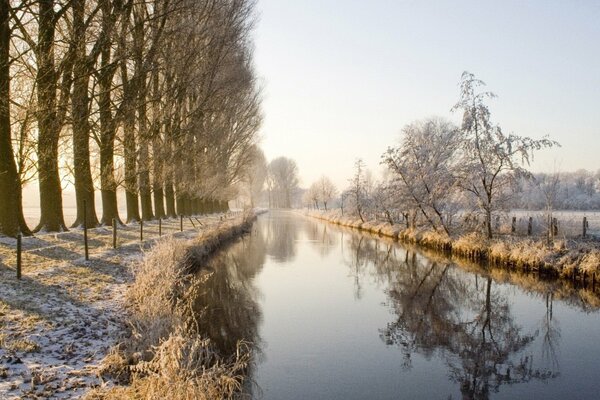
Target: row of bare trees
(157,97)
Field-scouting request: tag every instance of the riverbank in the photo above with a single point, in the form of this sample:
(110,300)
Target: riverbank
(68,322)
(576,260)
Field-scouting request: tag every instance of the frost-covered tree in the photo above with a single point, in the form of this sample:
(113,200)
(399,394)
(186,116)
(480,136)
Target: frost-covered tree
(549,187)
(359,190)
(284,174)
(491,159)
(254,176)
(326,190)
(11,210)
(424,163)
(311,196)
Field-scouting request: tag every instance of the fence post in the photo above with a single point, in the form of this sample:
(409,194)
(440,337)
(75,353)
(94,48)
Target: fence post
(141,230)
(513,227)
(554,227)
(530,226)
(159,226)
(114,227)
(19,238)
(85,234)
(585,225)
(181,222)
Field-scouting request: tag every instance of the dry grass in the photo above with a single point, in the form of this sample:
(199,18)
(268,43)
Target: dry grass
(163,356)
(59,322)
(22,345)
(563,258)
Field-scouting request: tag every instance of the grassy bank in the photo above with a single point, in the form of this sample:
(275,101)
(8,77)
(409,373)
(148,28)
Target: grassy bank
(576,260)
(163,356)
(71,325)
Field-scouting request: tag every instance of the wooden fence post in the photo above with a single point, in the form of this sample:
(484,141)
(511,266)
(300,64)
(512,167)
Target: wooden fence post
(513,227)
(554,227)
(585,226)
(19,238)
(181,222)
(159,226)
(114,227)
(85,233)
(141,230)
(530,226)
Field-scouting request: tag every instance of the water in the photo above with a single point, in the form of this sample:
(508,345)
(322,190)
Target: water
(336,314)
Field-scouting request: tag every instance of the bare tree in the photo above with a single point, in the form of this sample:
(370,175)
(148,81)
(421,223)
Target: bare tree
(311,196)
(358,191)
(491,159)
(11,209)
(255,176)
(425,163)
(549,186)
(51,109)
(284,173)
(326,190)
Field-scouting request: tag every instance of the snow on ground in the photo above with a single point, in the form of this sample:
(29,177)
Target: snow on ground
(58,322)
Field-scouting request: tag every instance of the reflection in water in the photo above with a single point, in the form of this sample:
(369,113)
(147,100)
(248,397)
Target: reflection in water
(441,311)
(321,237)
(226,306)
(282,234)
(550,331)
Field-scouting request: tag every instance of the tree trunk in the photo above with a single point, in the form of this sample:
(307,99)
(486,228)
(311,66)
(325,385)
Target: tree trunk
(84,186)
(108,184)
(144,157)
(180,203)
(11,211)
(145,192)
(170,199)
(51,219)
(157,183)
(488,224)
(131,184)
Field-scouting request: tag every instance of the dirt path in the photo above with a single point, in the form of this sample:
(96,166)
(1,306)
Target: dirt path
(59,320)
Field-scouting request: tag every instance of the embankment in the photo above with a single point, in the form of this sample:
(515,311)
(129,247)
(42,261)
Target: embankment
(576,260)
(163,356)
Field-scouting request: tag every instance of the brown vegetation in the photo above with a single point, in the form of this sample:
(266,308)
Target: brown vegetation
(571,259)
(164,356)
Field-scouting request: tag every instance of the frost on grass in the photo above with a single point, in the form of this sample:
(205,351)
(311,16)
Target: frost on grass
(60,322)
(164,356)
(56,324)
(564,258)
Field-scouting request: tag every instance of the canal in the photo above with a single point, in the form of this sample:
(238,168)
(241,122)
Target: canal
(337,314)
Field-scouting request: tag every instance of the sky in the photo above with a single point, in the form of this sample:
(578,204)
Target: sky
(341,78)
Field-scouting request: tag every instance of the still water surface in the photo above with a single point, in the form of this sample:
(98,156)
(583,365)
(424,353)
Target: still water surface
(337,314)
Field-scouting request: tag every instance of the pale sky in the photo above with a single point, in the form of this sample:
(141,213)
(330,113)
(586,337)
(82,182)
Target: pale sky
(341,78)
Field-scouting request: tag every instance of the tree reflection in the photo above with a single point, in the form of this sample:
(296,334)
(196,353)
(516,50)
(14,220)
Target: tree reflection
(321,236)
(550,334)
(282,233)
(226,305)
(441,310)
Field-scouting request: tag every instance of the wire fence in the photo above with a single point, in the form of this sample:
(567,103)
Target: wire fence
(565,224)
(540,223)
(85,243)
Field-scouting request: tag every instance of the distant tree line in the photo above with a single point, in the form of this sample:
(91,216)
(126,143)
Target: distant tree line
(157,97)
(579,190)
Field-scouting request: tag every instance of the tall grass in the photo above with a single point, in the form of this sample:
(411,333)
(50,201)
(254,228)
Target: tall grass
(163,356)
(570,259)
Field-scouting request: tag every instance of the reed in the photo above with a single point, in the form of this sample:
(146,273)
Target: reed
(162,356)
